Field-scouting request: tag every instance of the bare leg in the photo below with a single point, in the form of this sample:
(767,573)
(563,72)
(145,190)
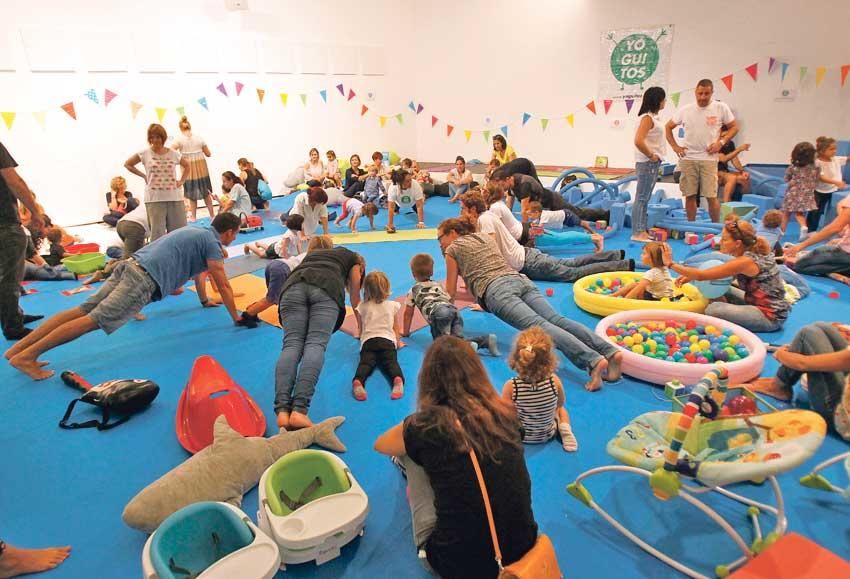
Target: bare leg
(16,561)
(713,209)
(209,203)
(729,183)
(771,387)
(595,382)
(615,364)
(298,420)
(193,209)
(691,207)
(48,326)
(27,360)
(255,249)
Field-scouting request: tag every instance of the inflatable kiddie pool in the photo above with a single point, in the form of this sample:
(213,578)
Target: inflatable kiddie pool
(658,371)
(687,298)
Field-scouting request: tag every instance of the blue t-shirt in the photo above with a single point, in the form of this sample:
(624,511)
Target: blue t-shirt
(177,257)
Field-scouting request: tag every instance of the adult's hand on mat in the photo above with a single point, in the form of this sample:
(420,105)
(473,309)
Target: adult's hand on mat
(420,225)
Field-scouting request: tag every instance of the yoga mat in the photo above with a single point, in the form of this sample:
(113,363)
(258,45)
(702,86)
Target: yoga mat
(380,236)
(254,288)
(242,264)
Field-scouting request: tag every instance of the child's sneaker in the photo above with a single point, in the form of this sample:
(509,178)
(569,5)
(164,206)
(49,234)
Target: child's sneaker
(568,439)
(398,389)
(358,390)
(804,233)
(492,345)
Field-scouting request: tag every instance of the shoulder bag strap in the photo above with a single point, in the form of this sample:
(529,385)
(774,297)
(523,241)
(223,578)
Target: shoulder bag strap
(487,508)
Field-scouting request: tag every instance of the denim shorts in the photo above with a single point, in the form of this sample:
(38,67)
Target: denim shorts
(121,297)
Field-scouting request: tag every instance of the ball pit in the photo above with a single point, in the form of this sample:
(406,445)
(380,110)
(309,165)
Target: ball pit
(592,294)
(695,342)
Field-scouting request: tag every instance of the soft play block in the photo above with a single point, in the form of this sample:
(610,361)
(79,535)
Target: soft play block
(794,557)
(379,236)
(739,208)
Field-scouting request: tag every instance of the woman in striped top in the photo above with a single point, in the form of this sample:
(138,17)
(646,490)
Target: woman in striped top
(537,392)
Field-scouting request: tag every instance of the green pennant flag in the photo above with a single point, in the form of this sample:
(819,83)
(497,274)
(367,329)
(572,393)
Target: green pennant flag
(486,136)
(400,118)
(803,71)
(544,123)
(675,98)
(181,111)
(303,99)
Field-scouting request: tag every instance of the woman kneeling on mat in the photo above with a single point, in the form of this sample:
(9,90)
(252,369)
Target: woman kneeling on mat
(312,307)
(514,299)
(458,411)
(758,303)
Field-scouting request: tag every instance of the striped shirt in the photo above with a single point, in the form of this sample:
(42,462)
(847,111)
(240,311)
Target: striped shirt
(536,405)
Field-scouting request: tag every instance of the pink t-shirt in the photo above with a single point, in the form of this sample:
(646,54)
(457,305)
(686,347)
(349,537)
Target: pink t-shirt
(843,239)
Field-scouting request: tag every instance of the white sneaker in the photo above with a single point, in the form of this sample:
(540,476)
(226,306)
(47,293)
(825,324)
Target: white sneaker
(804,233)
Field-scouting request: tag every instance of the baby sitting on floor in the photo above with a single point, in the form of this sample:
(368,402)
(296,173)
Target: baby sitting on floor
(657,283)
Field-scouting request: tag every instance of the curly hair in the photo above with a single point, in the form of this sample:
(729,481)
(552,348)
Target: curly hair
(474,200)
(803,154)
(533,357)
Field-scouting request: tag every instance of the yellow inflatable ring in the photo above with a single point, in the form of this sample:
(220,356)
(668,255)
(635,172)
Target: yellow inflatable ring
(689,298)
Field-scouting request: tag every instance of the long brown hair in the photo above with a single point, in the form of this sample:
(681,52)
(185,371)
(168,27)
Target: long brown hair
(744,232)
(454,387)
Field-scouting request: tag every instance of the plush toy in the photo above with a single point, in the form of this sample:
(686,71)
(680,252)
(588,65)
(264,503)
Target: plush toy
(223,471)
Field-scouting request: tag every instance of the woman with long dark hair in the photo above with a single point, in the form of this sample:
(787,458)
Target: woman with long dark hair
(458,410)
(649,151)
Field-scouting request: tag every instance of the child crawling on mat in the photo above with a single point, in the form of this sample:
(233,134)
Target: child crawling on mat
(290,245)
(355,208)
(657,283)
(548,220)
(276,274)
(437,308)
(537,391)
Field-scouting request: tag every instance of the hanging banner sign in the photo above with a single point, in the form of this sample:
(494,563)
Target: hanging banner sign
(634,59)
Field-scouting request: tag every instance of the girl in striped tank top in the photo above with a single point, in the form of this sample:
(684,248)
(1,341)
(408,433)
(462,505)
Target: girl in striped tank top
(537,392)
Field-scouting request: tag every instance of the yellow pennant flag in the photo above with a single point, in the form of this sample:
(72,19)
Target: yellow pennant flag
(383,121)
(160,113)
(571,119)
(8,118)
(303,99)
(819,74)
(39,118)
(283,98)
(468,135)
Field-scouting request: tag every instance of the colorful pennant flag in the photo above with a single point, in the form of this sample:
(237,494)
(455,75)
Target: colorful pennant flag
(803,71)
(8,118)
(160,113)
(727,80)
(351,94)
(340,89)
(486,136)
(69,108)
(504,130)
(324,95)
(844,70)
(770,64)
(383,121)
(449,130)
(820,72)
(400,118)
(239,87)
(629,104)
(303,99)
(283,98)
(221,89)
(181,111)
(203,102)
(675,98)
(108,95)
(261,94)
(411,106)
(607,104)
(433,121)
(39,117)
(525,117)
(467,135)
(544,123)
(363,110)
(419,108)
(753,71)
(785,67)
(571,119)
(92,94)
(136,107)
(591,106)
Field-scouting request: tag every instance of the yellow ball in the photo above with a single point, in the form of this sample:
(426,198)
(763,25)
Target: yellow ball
(607,283)
(637,338)
(637,349)
(628,341)
(704,344)
(693,339)
(710,330)
(651,344)
(734,339)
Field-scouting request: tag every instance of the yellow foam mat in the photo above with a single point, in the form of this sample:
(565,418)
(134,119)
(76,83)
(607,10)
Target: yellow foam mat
(379,236)
(252,288)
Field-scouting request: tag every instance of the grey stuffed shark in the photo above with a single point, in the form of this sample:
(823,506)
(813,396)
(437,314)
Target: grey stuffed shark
(224,471)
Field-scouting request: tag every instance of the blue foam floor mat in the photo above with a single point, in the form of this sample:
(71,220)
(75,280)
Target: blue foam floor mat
(70,487)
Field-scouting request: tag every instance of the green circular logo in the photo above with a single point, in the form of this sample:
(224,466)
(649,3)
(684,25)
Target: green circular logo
(634,59)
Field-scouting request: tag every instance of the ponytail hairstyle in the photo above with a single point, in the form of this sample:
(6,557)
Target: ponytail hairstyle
(320,242)
(652,99)
(398,176)
(533,358)
(184,124)
(744,232)
(232,177)
(655,251)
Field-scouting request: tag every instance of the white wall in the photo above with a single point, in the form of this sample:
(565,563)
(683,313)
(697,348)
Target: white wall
(506,57)
(69,164)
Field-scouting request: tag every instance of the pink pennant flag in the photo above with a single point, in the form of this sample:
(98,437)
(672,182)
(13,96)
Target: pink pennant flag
(770,64)
(433,121)
(753,70)
(351,94)
(108,95)
(727,80)
(591,106)
(239,87)
(340,89)
(607,103)
(629,104)
(221,89)
(419,108)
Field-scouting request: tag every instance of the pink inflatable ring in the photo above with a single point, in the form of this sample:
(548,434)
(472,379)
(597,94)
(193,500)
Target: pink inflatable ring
(661,371)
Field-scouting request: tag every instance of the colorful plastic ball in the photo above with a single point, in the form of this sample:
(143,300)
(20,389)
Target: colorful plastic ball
(691,357)
(693,339)
(637,349)
(733,339)
(742,405)
(704,344)
(550,292)
(690,324)
(702,360)
(629,341)
(599,282)
(637,338)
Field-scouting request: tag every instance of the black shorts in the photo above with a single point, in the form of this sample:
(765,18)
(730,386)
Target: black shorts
(271,253)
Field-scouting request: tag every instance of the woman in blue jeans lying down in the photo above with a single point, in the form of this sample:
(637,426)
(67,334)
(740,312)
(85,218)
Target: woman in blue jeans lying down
(758,303)
(833,257)
(514,299)
(312,307)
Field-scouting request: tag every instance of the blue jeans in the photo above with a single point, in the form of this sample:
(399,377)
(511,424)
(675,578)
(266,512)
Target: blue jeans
(738,311)
(46,272)
(542,267)
(308,316)
(823,260)
(446,321)
(455,190)
(647,176)
(517,301)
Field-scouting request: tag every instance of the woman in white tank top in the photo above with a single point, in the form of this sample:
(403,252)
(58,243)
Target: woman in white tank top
(649,151)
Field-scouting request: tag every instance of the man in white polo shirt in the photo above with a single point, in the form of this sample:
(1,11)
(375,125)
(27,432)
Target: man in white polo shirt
(699,151)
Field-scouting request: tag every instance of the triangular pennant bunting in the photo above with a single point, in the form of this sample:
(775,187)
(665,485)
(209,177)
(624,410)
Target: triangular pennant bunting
(382,121)
(181,111)
(363,110)
(820,72)
(449,130)
(136,107)
(467,135)
(675,98)
(324,95)
(203,102)
(607,104)
(571,120)
(544,123)
(283,98)
(784,67)
(419,108)
(411,106)
(629,104)
(239,87)
(303,99)
(341,89)
(753,71)
(525,117)
(261,94)
(69,108)
(803,71)
(108,95)
(770,64)
(351,94)
(844,70)
(727,80)
(160,113)
(504,130)
(221,89)
(486,136)
(400,118)
(39,117)
(591,106)
(8,118)
(92,94)
(433,121)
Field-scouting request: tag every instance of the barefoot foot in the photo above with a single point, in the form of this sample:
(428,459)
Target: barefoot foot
(298,420)
(770,387)
(16,561)
(615,365)
(595,382)
(283,420)
(30,367)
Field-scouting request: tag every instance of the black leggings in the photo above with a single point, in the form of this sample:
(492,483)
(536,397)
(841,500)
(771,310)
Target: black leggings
(813,217)
(589,213)
(378,352)
(354,188)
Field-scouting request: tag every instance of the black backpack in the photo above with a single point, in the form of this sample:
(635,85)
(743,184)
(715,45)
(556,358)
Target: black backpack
(122,397)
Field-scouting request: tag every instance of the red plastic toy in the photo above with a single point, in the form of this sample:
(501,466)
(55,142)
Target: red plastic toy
(742,405)
(550,292)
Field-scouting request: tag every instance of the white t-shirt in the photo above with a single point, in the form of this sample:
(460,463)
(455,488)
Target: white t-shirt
(312,171)
(138,215)
(702,128)
(509,247)
(161,175)
(288,244)
(378,319)
(466,175)
(508,219)
(294,261)
(405,198)
(333,167)
(311,215)
(660,282)
(188,144)
(655,140)
(354,207)
(831,170)
(241,200)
